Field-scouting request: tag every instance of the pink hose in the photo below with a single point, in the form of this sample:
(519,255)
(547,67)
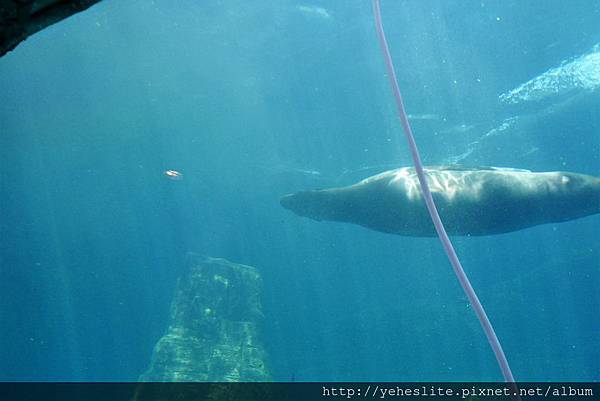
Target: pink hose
(435,217)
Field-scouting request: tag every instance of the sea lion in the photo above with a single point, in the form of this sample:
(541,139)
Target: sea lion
(471,201)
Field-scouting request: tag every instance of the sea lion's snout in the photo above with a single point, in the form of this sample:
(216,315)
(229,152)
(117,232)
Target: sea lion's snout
(287,201)
(302,203)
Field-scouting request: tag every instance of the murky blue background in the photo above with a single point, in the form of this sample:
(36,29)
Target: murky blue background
(252,100)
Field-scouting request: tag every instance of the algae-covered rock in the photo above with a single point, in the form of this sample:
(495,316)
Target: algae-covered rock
(213,333)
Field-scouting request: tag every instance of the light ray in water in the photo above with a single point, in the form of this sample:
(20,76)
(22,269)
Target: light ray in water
(314,11)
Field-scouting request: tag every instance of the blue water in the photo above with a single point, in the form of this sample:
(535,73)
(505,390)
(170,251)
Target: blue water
(253,100)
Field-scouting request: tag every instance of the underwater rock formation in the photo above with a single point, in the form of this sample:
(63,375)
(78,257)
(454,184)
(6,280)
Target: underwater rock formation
(213,331)
(22,18)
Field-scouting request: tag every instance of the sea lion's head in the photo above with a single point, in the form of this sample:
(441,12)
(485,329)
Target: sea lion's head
(306,204)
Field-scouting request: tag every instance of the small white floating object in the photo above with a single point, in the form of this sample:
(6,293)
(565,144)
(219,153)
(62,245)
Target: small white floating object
(173,175)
